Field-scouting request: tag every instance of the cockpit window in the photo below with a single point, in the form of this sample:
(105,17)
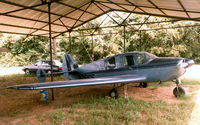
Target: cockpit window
(144,58)
(141,59)
(111,63)
(129,60)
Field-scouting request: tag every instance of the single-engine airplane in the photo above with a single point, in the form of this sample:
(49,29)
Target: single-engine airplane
(132,67)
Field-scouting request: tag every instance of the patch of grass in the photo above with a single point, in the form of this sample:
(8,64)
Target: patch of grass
(59,77)
(157,84)
(190,82)
(110,111)
(57,118)
(184,97)
(2,79)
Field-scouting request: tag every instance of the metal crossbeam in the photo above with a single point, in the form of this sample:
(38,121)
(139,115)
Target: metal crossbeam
(65,15)
(81,14)
(136,6)
(105,12)
(43,11)
(156,7)
(183,8)
(76,8)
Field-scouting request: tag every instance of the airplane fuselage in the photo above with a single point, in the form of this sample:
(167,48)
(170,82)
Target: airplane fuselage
(154,69)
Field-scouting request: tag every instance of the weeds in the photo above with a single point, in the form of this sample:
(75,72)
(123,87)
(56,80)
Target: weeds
(128,111)
(157,84)
(58,117)
(190,82)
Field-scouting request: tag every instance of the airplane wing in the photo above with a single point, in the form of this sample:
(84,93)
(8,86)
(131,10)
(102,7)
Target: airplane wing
(81,82)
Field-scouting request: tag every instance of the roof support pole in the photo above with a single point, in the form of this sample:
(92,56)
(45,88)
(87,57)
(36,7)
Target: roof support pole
(50,42)
(124,27)
(140,40)
(55,48)
(92,46)
(70,50)
(125,85)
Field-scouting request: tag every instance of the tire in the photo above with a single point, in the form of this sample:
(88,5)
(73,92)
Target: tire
(143,84)
(114,93)
(178,91)
(27,71)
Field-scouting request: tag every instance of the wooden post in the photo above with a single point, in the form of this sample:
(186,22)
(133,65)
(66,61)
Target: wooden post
(140,41)
(70,50)
(125,85)
(92,48)
(55,49)
(124,38)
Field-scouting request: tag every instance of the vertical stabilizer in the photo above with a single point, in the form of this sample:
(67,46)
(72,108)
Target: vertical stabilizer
(69,64)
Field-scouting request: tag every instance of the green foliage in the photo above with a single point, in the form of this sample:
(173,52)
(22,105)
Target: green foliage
(24,50)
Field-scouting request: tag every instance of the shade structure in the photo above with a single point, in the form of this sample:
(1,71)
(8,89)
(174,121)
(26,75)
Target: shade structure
(30,17)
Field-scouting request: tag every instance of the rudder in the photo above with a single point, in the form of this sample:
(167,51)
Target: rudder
(69,64)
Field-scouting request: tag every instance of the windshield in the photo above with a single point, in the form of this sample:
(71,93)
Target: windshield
(143,58)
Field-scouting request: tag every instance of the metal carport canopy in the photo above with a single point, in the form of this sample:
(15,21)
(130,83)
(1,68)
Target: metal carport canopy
(30,17)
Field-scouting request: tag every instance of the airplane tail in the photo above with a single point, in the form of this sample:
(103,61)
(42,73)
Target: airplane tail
(69,64)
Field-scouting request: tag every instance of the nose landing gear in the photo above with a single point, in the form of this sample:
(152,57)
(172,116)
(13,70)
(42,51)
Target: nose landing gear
(178,90)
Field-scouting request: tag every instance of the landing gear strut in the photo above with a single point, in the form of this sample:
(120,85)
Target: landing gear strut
(115,94)
(178,90)
(143,84)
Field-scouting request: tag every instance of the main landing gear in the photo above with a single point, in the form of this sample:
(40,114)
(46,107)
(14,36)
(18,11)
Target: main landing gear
(178,90)
(115,94)
(143,84)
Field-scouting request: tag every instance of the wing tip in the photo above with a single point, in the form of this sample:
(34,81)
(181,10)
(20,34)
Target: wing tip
(20,87)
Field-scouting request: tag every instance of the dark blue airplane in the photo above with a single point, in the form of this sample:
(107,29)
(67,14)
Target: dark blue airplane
(132,67)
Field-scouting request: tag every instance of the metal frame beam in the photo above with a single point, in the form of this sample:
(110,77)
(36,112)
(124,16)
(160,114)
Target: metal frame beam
(43,11)
(183,8)
(130,25)
(84,22)
(65,15)
(138,30)
(105,12)
(76,8)
(81,15)
(138,6)
(117,5)
(157,15)
(2,24)
(135,5)
(156,7)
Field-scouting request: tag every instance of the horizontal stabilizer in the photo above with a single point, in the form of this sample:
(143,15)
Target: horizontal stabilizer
(81,82)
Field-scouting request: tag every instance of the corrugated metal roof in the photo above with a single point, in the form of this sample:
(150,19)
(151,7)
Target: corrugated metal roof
(31,16)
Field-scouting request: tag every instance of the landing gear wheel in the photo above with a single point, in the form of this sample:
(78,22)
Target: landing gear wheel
(178,91)
(143,84)
(27,71)
(114,93)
